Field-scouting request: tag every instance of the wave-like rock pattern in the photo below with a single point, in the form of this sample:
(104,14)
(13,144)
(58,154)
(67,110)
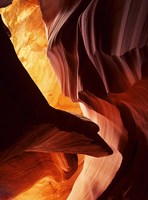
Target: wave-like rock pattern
(30,129)
(98,49)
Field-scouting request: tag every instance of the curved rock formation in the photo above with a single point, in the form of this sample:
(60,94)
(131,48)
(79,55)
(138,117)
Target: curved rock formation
(29,124)
(98,50)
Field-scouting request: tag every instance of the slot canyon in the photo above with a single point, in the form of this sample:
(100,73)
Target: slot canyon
(74,100)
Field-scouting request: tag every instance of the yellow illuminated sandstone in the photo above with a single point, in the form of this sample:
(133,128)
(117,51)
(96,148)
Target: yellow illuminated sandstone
(23,19)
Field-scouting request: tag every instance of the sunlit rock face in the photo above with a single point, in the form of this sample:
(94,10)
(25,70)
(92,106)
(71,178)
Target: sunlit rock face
(98,50)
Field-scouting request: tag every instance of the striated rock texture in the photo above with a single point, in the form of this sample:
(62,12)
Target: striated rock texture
(29,124)
(98,50)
